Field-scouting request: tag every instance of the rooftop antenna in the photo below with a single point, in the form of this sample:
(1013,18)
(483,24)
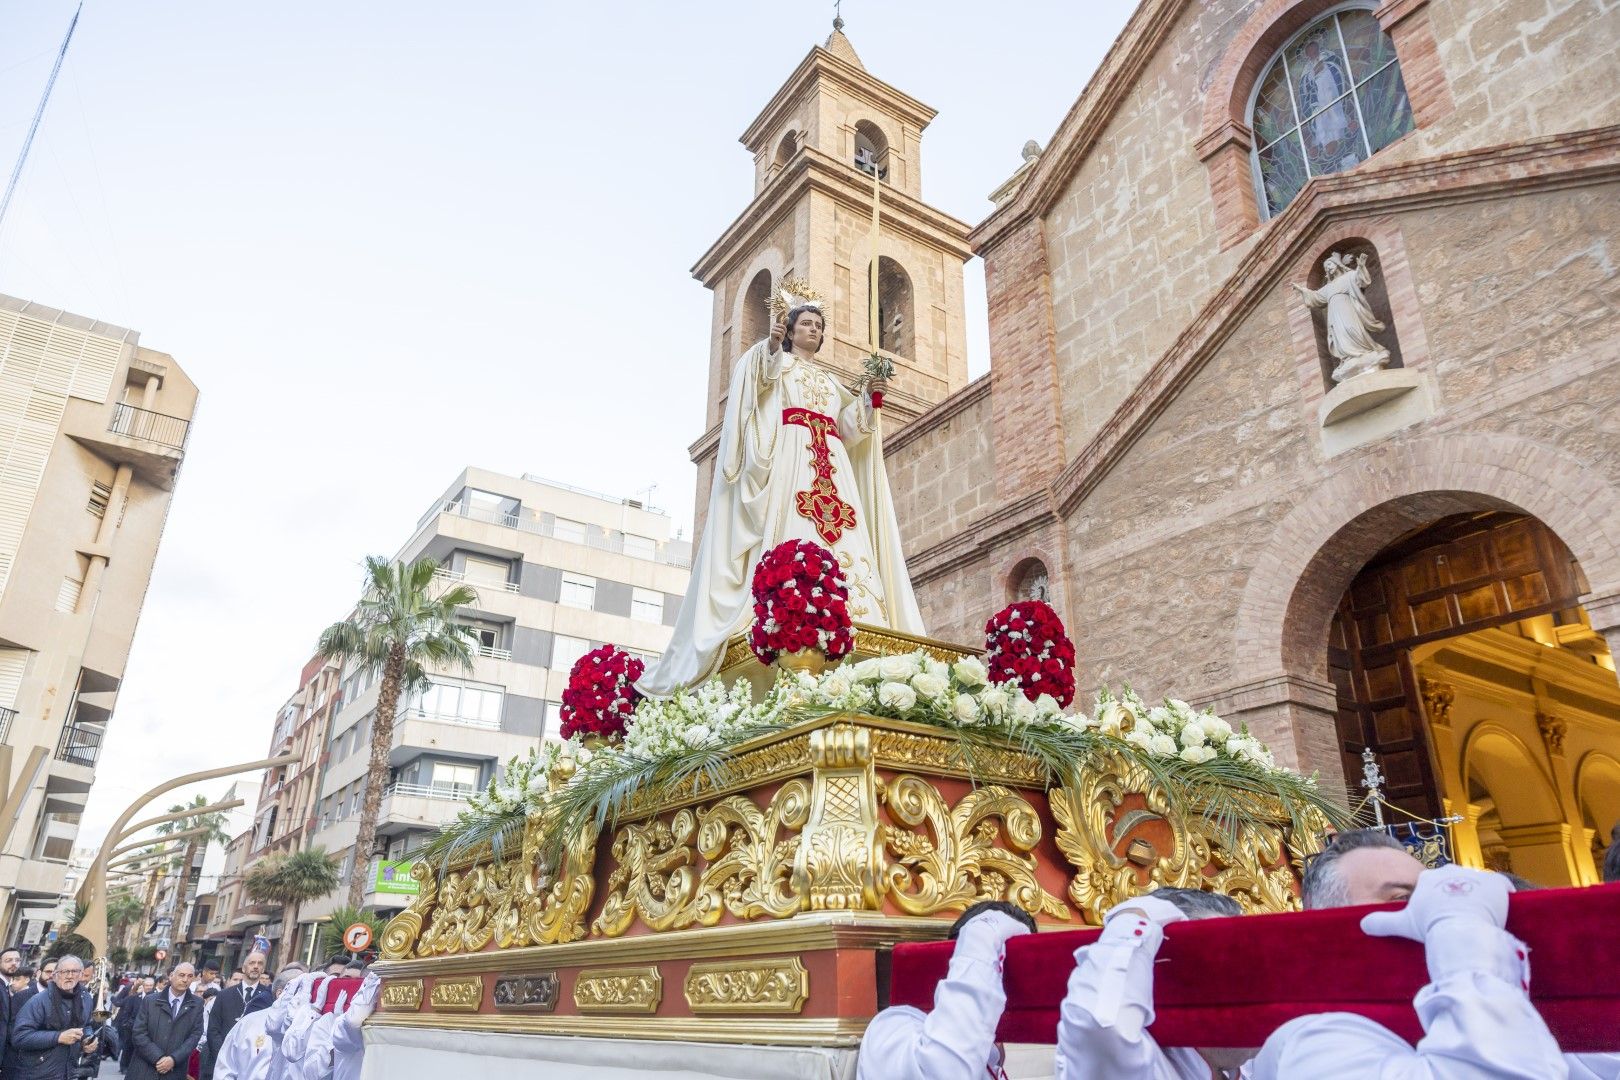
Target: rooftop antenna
(39,113)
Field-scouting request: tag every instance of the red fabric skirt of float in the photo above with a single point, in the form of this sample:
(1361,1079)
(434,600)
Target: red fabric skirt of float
(1232,982)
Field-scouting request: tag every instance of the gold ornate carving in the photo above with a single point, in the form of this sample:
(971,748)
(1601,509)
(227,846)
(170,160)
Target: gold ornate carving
(751,767)
(619,990)
(748,869)
(1251,864)
(963,862)
(457,995)
(774,985)
(562,918)
(653,877)
(532,993)
(400,935)
(942,754)
(403,995)
(1437,701)
(839,864)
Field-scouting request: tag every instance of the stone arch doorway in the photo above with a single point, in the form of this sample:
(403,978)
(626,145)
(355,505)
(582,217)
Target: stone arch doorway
(1461,655)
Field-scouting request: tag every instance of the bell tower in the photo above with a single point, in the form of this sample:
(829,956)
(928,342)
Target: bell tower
(816,146)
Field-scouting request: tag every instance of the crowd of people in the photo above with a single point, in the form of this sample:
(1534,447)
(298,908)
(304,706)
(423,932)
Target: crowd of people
(1477,1017)
(185,1024)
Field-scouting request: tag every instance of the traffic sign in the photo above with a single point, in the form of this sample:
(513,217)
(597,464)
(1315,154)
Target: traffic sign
(357,937)
(161,955)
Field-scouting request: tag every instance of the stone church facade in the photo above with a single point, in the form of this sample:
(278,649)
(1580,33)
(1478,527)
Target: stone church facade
(1425,560)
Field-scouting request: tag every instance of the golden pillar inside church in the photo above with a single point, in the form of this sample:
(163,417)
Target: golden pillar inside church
(1462,656)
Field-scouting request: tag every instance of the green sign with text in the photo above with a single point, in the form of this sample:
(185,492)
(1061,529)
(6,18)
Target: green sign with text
(395,877)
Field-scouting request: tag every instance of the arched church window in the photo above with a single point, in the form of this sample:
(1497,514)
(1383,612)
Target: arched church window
(1030,581)
(1331,98)
(896,325)
(871,149)
(756,315)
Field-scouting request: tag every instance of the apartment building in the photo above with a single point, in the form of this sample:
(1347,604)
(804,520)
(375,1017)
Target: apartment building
(558,571)
(286,805)
(93,430)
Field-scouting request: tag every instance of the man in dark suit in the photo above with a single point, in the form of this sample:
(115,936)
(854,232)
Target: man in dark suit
(124,1022)
(231,1004)
(167,1029)
(10,963)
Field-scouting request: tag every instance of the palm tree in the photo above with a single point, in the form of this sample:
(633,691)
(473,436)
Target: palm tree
(331,934)
(68,942)
(398,630)
(123,911)
(290,880)
(213,826)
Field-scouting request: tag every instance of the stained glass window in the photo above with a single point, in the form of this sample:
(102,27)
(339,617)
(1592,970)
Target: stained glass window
(1330,99)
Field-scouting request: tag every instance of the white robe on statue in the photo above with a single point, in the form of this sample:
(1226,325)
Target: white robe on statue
(801,458)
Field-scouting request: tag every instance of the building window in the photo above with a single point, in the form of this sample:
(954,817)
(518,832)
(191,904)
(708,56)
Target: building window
(566,651)
(647,605)
(1331,98)
(756,311)
(578,591)
(100,496)
(640,547)
(455,781)
(479,570)
(462,703)
(567,529)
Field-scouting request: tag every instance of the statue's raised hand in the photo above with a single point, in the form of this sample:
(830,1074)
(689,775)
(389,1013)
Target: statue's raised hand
(778,332)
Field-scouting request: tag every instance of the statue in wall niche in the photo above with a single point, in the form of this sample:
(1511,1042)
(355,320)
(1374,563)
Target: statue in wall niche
(1350,320)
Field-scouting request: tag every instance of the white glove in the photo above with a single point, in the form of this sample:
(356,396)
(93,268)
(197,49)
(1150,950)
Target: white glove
(281,1012)
(986,934)
(365,999)
(1152,908)
(1451,892)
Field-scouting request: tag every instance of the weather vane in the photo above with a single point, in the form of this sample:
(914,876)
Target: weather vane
(838,14)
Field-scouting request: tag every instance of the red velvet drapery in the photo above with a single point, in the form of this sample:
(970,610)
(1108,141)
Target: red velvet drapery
(1231,982)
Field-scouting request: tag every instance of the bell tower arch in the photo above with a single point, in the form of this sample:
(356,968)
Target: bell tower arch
(816,146)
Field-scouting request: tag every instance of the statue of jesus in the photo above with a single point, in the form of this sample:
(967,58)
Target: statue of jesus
(801,458)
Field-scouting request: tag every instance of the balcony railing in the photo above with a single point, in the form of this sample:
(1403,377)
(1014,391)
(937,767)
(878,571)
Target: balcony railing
(155,427)
(447,792)
(79,745)
(525,523)
(451,577)
(6,717)
(494,653)
(445,718)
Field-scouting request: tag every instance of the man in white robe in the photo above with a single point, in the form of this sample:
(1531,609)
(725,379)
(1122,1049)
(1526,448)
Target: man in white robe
(1368,866)
(348,1048)
(1102,1025)
(957,1040)
(1476,1013)
(252,1050)
(800,458)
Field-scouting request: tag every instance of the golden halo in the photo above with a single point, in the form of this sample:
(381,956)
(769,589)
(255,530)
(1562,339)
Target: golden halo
(793,292)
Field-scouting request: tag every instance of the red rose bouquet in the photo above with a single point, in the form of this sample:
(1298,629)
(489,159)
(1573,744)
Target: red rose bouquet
(1025,644)
(600,698)
(800,602)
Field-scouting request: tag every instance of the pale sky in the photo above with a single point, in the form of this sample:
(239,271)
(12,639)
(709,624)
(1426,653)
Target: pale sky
(389,240)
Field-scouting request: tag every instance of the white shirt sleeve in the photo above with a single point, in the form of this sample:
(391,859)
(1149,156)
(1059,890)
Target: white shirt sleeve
(957,1041)
(1103,1021)
(1476,1014)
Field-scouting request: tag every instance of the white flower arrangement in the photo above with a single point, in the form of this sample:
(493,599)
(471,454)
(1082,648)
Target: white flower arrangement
(914,686)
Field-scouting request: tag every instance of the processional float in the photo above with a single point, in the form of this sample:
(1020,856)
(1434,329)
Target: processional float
(814,782)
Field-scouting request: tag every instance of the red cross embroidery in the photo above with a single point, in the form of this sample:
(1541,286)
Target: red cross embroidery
(830,515)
